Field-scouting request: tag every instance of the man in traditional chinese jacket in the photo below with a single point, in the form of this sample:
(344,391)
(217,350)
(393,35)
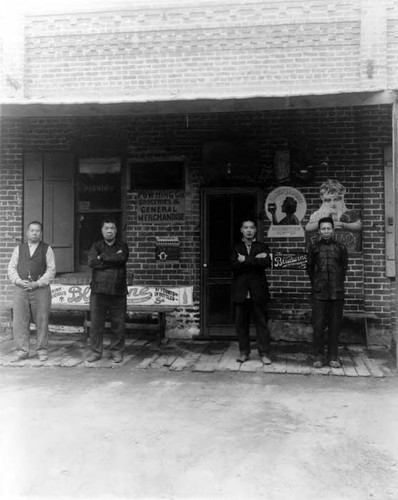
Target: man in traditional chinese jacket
(107,259)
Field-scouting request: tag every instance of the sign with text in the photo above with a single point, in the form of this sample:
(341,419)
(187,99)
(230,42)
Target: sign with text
(289,260)
(351,239)
(285,207)
(167,248)
(161,206)
(75,295)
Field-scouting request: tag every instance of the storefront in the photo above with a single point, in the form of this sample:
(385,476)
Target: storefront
(181,119)
(179,184)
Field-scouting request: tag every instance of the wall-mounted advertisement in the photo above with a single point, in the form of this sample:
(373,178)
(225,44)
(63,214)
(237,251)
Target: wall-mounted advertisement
(347,222)
(73,296)
(285,207)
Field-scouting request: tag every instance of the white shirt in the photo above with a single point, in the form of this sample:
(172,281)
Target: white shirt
(44,280)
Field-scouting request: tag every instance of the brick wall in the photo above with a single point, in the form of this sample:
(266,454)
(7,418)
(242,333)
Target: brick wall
(346,144)
(217,48)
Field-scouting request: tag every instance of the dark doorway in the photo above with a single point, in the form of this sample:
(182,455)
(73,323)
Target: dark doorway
(223,210)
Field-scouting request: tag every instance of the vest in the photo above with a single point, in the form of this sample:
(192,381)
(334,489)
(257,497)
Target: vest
(31,268)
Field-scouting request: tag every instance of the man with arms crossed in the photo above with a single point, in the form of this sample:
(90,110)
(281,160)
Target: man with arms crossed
(249,258)
(107,259)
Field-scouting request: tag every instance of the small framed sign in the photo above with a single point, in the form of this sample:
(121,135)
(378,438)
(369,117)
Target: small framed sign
(167,248)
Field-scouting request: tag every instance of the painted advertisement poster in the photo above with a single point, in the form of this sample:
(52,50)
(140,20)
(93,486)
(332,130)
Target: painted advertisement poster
(285,207)
(347,222)
(75,295)
(289,260)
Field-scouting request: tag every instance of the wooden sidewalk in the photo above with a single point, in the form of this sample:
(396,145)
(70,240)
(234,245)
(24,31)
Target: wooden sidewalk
(143,353)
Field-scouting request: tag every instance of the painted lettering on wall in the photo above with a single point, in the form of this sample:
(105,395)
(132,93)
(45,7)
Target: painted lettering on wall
(161,206)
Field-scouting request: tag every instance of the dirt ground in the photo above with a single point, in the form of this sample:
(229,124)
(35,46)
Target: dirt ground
(133,434)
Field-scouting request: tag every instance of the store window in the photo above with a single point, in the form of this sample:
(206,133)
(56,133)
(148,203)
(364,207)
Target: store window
(99,194)
(157,174)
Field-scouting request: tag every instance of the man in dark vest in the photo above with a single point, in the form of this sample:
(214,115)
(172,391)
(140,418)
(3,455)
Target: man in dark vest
(107,259)
(31,270)
(249,259)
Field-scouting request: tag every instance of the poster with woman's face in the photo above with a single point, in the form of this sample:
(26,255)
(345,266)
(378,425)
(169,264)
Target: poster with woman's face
(347,222)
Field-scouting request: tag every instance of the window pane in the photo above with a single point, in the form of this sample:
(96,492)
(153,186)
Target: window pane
(99,184)
(157,175)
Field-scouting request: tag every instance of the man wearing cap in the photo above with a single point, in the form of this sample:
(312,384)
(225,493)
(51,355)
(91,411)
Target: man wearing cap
(31,269)
(327,268)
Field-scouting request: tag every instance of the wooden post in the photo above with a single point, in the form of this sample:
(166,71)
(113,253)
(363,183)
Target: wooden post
(395,170)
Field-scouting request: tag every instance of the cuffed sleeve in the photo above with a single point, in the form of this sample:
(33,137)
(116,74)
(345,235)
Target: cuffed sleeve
(49,275)
(12,272)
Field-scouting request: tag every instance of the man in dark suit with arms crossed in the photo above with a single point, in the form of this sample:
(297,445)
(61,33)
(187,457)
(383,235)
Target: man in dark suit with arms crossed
(249,258)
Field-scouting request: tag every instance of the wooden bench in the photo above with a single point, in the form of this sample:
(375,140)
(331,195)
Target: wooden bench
(361,317)
(158,310)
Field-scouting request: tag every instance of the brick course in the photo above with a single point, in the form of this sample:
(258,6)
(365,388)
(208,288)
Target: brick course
(258,48)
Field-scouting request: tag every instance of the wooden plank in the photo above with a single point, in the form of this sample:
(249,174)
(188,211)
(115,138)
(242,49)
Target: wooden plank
(337,371)
(278,365)
(188,357)
(325,370)
(166,358)
(360,365)
(293,364)
(147,361)
(382,358)
(228,360)
(8,347)
(348,364)
(373,365)
(55,357)
(305,367)
(253,365)
(209,359)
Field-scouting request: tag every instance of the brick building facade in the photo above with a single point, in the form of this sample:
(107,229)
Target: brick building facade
(217,89)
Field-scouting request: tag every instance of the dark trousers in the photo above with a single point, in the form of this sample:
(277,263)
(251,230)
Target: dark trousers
(243,311)
(327,313)
(27,305)
(102,305)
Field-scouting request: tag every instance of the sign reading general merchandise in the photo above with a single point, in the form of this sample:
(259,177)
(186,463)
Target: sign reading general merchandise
(137,295)
(161,206)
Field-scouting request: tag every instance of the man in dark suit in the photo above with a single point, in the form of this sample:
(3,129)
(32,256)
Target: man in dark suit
(249,258)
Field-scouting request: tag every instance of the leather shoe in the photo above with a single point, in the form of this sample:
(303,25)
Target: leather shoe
(117,358)
(242,358)
(93,358)
(265,359)
(43,357)
(334,363)
(20,357)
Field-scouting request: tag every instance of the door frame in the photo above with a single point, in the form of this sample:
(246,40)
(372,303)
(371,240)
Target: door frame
(204,192)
